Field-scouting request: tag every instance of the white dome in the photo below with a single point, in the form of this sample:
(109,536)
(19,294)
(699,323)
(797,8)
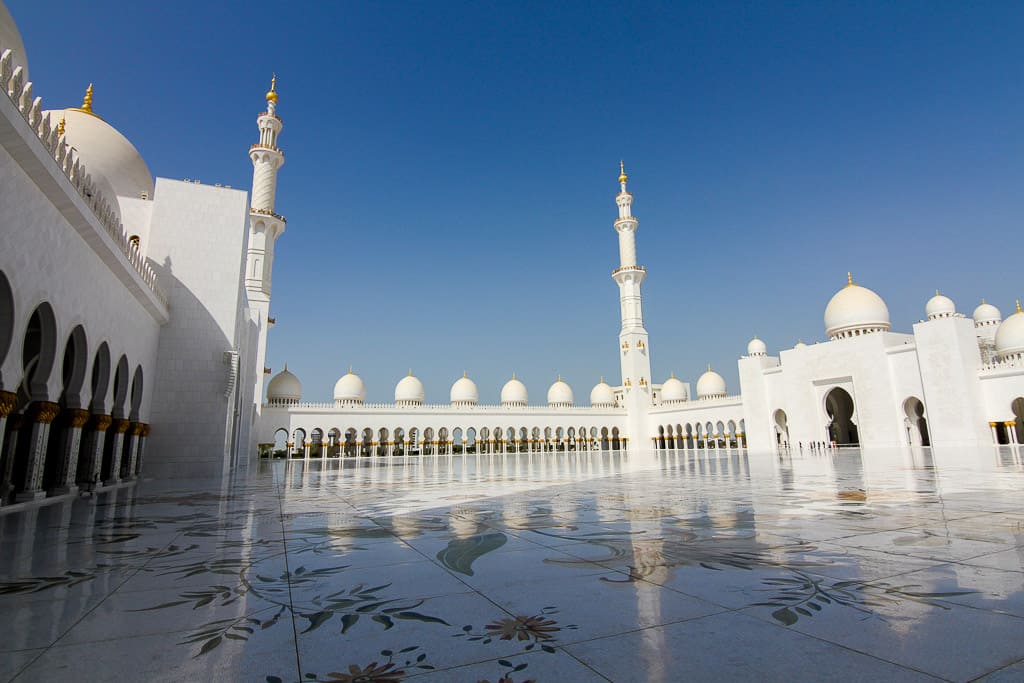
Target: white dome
(103,151)
(560,394)
(710,385)
(673,391)
(987,314)
(602,395)
(800,345)
(409,391)
(756,347)
(514,393)
(855,310)
(284,387)
(10,38)
(939,306)
(464,392)
(1010,335)
(349,390)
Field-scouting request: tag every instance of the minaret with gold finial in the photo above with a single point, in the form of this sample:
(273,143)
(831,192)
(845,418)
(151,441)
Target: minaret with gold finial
(634,351)
(265,225)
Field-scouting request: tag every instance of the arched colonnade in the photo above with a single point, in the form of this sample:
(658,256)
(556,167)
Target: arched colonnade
(70,406)
(701,435)
(302,442)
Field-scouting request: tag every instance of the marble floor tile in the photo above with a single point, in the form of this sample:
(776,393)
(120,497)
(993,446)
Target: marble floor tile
(715,649)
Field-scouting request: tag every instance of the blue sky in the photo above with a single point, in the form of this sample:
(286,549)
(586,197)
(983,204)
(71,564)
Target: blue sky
(451,167)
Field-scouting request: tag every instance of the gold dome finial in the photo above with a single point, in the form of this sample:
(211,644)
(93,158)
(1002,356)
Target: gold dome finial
(602,380)
(87,100)
(1018,306)
(849,278)
(410,372)
(513,375)
(272,93)
(672,374)
(559,377)
(709,367)
(350,370)
(463,374)
(936,292)
(982,299)
(622,172)
(60,126)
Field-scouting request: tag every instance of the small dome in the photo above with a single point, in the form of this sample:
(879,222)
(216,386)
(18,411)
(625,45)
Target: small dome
(514,393)
(284,387)
(560,394)
(349,390)
(800,344)
(103,151)
(711,385)
(673,391)
(939,306)
(409,391)
(602,395)
(756,347)
(1010,336)
(10,37)
(855,310)
(987,314)
(464,392)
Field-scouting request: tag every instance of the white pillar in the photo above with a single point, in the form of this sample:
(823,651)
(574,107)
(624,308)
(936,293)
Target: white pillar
(40,418)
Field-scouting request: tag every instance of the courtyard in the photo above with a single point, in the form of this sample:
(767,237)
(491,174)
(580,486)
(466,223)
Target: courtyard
(681,565)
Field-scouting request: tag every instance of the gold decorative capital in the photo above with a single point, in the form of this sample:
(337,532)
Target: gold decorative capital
(101,422)
(8,400)
(120,425)
(77,418)
(145,429)
(136,428)
(45,412)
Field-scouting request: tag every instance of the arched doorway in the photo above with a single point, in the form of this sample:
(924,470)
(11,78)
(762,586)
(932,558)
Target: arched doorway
(781,427)
(1017,406)
(840,410)
(915,423)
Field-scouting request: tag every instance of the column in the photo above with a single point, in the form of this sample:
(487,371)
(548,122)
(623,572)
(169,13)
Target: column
(76,419)
(120,426)
(135,430)
(1011,431)
(305,449)
(995,437)
(41,417)
(143,437)
(93,453)
(15,423)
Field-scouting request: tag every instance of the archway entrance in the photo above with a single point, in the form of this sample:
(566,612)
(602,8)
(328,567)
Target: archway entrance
(841,427)
(915,423)
(781,427)
(1018,415)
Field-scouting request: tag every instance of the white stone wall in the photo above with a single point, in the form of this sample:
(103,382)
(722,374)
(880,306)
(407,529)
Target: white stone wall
(197,244)
(47,260)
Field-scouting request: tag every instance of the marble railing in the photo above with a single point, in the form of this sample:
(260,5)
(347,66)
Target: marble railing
(31,108)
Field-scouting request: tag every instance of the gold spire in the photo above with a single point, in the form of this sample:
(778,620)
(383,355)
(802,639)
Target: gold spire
(602,380)
(560,374)
(513,375)
(60,126)
(350,370)
(982,299)
(709,367)
(272,93)
(849,279)
(87,100)
(410,372)
(463,374)
(673,375)
(622,172)
(936,292)
(1018,306)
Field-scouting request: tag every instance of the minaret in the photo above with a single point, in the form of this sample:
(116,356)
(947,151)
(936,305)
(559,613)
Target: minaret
(265,226)
(634,352)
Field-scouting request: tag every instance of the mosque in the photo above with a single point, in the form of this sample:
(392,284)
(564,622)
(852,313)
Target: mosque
(132,343)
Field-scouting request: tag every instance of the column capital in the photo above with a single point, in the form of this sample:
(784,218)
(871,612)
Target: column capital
(145,430)
(120,425)
(135,428)
(101,422)
(44,412)
(8,400)
(77,417)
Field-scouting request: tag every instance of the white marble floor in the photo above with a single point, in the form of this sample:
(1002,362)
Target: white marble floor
(889,565)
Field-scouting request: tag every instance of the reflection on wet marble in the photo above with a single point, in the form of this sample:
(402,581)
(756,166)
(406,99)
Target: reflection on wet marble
(719,565)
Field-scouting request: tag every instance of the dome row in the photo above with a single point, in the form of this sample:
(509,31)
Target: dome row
(350,390)
(856,310)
